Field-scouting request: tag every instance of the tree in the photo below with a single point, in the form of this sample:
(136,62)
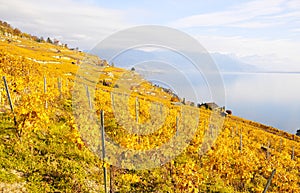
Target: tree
(174,98)
(17,32)
(298,132)
(41,39)
(6,24)
(35,38)
(229,112)
(26,35)
(49,40)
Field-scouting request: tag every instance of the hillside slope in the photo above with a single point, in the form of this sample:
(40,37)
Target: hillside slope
(49,150)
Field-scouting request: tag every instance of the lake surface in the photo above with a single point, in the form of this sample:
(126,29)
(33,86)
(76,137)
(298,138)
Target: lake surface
(269,98)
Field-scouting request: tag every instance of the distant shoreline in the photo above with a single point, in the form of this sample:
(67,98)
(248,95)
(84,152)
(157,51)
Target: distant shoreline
(262,72)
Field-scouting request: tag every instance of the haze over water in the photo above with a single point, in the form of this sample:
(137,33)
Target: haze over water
(268,97)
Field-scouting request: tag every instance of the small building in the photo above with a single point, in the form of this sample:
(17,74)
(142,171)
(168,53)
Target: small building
(190,103)
(57,42)
(212,105)
(177,103)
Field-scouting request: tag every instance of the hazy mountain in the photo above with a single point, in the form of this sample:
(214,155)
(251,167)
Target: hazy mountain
(225,63)
(230,63)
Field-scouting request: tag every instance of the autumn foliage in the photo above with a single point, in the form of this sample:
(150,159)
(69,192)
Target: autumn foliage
(225,167)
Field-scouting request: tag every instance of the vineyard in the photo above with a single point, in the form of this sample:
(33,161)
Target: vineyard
(51,108)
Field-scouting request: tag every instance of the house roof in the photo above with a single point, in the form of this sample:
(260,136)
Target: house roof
(212,105)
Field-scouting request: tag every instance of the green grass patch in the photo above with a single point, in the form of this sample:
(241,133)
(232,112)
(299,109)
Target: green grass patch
(48,161)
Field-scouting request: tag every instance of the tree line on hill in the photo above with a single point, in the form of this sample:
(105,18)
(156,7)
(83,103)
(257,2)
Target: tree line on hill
(8,30)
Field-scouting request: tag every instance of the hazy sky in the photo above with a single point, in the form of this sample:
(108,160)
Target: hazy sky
(263,33)
(260,30)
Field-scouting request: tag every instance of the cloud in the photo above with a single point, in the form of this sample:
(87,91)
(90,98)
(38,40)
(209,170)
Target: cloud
(295,30)
(265,53)
(271,39)
(293,4)
(272,63)
(255,24)
(253,14)
(76,22)
(259,88)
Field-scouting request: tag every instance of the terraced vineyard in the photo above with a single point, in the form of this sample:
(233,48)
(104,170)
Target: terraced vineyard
(55,144)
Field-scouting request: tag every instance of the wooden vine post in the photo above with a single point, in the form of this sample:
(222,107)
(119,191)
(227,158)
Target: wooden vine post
(9,99)
(269,181)
(45,91)
(137,110)
(112,98)
(103,150)
(111,182)
(241,142)
(177,125)
(280,146)
(59,85)
(1,100)
(268,150)
(171,176)
(88,96)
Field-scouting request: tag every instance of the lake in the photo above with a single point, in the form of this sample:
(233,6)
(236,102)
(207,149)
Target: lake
(269,98)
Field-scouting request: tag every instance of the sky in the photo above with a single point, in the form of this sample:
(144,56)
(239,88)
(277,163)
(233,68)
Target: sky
(261,33)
